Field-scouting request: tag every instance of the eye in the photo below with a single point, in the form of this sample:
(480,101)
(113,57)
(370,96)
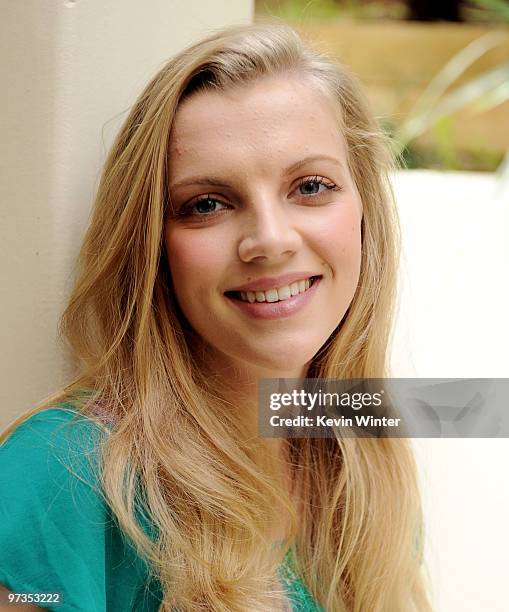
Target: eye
(206,206)
(316,185)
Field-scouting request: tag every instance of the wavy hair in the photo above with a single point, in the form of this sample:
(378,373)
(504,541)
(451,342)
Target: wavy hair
(177,453)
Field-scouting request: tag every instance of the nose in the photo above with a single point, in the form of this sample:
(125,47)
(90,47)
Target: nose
(268,232)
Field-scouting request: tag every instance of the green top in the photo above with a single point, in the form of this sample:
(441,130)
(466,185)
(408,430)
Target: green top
(58,535)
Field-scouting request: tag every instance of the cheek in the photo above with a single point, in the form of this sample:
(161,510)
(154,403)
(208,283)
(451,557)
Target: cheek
(339,233)
(195,260)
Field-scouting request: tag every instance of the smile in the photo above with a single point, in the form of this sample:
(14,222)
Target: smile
(275,303)
(278,294)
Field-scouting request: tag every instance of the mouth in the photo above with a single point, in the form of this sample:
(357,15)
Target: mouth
(279,294)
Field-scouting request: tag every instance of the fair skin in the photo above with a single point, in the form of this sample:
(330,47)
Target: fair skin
(270,166)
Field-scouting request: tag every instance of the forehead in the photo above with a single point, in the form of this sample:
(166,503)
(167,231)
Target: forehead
(257,125)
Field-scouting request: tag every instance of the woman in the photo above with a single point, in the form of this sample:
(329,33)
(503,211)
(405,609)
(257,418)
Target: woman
(243,229)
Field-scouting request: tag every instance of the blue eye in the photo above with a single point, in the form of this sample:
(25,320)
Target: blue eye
(311,186)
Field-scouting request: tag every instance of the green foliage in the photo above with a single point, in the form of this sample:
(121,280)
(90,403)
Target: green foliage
(443,153)
(443,131)
(295,10)
(439,101)
(499,7)
(435,110)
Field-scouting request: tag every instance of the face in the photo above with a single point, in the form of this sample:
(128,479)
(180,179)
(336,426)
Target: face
(263,202)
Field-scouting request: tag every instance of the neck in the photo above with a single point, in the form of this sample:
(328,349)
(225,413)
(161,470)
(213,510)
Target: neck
(240,378)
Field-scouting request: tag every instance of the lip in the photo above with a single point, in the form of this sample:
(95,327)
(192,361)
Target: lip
(276,310)
(274,282)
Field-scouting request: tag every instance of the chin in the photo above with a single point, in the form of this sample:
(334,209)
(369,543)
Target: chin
(285,365)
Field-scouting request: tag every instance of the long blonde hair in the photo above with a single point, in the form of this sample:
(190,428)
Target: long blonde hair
(203,486)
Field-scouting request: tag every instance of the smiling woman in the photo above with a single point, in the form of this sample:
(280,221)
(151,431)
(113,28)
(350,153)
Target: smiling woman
(243,229)
(281,202)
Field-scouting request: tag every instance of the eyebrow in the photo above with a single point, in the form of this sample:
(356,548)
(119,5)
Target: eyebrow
(219,182)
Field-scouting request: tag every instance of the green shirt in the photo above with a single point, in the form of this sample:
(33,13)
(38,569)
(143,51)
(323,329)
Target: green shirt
(58,535)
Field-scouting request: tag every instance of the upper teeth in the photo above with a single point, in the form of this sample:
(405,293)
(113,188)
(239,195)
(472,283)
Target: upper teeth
(273,295)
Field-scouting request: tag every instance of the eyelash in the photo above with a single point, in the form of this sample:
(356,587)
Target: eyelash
(320,180)
(186,210)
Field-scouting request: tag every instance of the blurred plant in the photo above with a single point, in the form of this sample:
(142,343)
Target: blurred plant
(295,10)
(443,131)
(499,8)
(481,93)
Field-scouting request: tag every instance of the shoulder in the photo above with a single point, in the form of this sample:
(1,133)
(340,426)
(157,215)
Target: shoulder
(49,471)
(56,421)
(52,515)
(57,532)
(54,443)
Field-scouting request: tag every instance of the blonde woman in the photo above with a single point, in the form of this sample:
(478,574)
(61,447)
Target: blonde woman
(243,229)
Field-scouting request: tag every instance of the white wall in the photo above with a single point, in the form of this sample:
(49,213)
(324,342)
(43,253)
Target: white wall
(454,291)
(69,70)
(466,505)
(453,323)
